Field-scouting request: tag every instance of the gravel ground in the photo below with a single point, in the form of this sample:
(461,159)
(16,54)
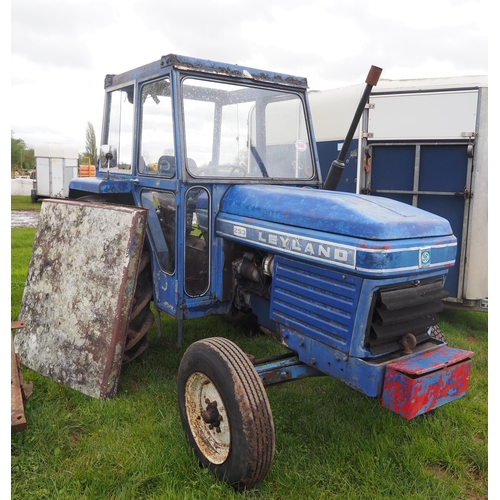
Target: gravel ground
(24,218)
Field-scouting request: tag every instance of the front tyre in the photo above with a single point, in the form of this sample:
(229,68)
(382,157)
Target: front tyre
(225,412)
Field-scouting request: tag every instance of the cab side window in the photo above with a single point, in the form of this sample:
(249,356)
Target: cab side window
(120,127)
(156,155)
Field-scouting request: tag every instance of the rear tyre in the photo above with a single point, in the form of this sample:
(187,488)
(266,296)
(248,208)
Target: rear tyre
(141,317)
(225,412)
(436,333)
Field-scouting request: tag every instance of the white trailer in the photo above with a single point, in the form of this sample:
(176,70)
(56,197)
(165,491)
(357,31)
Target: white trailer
(56,165)
(423,142)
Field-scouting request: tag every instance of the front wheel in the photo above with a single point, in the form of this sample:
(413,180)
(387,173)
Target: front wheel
(225,412)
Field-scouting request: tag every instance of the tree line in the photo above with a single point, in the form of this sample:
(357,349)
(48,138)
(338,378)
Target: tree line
(22,156)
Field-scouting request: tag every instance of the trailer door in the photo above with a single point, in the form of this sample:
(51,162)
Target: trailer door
(418,149)
(43,176)
(57,177)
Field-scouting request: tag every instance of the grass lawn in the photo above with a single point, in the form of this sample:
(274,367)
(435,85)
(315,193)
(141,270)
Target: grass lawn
(24,203)
(331,442)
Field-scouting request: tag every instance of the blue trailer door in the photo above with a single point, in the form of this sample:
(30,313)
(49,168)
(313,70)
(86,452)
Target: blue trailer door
(432,177)
(329,151)
(421,146)
(422,142)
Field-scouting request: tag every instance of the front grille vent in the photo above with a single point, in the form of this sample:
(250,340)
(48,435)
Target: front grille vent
(411,308)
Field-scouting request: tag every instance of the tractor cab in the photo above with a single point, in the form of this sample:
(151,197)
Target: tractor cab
(176,135)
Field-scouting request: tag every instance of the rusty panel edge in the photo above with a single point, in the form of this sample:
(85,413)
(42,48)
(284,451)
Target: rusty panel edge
(79,292)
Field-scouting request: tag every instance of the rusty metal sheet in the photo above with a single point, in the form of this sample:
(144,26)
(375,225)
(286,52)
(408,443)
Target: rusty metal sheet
(17,417)
(79,292)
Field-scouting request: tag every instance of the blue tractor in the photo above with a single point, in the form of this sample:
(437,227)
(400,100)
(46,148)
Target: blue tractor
(240,223)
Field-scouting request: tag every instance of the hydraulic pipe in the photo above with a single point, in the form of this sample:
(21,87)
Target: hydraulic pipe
(337,166)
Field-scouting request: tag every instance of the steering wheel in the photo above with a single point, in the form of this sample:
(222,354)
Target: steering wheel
(241,168)
(165,168)
(218,170)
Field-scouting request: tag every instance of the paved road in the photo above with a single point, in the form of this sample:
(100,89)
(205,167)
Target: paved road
(24,218)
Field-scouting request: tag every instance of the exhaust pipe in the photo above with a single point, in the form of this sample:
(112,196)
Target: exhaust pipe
(337,166)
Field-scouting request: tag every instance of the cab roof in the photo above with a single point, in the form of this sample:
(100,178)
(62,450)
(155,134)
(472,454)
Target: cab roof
(204,66)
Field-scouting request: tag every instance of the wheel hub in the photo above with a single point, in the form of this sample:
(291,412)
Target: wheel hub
(207,418)
(212,416)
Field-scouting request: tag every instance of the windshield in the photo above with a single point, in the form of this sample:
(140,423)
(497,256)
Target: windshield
(236,131)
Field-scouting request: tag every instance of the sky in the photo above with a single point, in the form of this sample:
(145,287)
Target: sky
(61,50)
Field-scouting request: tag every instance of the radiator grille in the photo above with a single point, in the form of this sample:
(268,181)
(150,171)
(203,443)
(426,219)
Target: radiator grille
(313,300)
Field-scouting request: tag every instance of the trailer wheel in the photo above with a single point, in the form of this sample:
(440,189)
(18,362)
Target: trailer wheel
(225,412)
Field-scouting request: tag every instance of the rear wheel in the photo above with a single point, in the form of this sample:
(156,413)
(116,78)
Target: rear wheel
(141,317)
(225,412)
(436,333)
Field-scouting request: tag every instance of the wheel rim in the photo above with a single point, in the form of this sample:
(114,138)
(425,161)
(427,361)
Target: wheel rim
(207,418)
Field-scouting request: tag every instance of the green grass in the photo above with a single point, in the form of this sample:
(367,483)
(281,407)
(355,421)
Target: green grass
(21,245)
(24,203)
(331,442)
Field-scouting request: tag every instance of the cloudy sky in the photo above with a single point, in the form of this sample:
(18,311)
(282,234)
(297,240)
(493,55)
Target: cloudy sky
(61,50)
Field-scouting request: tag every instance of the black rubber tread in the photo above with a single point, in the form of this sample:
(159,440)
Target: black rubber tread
(436,333)
(139,327)
(252,438)
(136,351)
(141,318)
(264,424)
(143,294)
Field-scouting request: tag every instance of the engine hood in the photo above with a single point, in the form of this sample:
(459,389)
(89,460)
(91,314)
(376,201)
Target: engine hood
(346,214)
(369,235)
